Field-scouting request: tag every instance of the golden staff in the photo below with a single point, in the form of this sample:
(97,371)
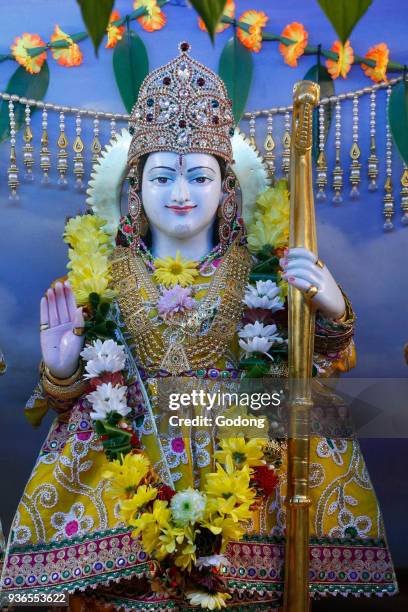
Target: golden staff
(301,337)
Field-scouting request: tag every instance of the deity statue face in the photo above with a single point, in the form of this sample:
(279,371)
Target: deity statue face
(181,193)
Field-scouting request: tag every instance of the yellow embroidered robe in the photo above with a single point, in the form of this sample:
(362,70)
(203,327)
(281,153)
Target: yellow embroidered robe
(67,534)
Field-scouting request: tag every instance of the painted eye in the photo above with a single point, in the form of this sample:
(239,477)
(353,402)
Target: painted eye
(201,179)
(161,179)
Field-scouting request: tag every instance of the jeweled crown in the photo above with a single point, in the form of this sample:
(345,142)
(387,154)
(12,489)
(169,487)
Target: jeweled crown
(184,107)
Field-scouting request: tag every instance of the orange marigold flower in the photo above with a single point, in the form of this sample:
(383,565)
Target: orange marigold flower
(296,32)
(253,38)
(20,53)
(114,32)
(229,11)
(380,53)
(342,65)
(69,56)
(155,18)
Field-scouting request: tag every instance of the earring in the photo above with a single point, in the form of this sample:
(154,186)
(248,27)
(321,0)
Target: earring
(135,210)
(227,211)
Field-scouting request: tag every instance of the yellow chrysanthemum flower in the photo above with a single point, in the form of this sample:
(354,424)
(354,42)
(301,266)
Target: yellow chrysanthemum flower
(20,53)
(229,507)
(230,483)
(125,474)
(241,452)
(171,271)
(186,557)
(69,56)
(89,274)
(150,526)
(78,228)
(270,223)
(143,496)
(226,527)
(170,537)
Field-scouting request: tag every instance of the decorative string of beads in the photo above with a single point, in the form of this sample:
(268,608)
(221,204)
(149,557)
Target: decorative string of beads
(28,157)
(262,112)
(252,138)
(286,146)
(388,209)
(404,195)
(337,171)
(355,166)
(113,128)
(45,155)
(78,148)
(269,146)
(321,176)
(96,147)
(62,164)
(372,168)
(12,171)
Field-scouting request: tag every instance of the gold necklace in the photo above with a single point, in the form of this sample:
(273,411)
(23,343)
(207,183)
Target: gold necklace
(198,339)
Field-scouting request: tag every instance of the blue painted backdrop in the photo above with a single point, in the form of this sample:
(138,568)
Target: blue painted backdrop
(370,265)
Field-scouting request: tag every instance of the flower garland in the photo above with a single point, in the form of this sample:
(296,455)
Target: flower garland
(30,51)
(185,532)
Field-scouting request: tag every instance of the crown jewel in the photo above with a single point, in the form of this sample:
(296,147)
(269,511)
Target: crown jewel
(184,107)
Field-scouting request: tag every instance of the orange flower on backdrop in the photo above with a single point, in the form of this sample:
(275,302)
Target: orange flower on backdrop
(253,38)
(380,54)
(114,32)
(20,53)
(341,66)
(69,56)
(296,32)
(229,11)
(155,18)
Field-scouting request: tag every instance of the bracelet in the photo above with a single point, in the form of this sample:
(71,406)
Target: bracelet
(63,382)
(67,392)
(334,336)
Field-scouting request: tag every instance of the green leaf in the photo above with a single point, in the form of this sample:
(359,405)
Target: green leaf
(95,14)
(235,68)
(254,276)
(210,12)
(131,65)
(398,118)
(320,74)
(103,309)
(344,14)
(27,85)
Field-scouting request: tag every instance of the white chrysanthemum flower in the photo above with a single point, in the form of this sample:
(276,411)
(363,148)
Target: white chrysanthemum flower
(212,561)
(256,345)
(266,294)
(107,398)
(103,356)
(251,330)
(208,601)
(188,506)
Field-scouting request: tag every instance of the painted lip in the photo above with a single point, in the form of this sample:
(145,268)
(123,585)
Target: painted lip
(181,210)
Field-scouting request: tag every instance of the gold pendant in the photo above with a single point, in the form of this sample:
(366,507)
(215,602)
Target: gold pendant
(175,360)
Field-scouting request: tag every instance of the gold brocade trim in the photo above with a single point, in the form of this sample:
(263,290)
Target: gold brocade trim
(195,340)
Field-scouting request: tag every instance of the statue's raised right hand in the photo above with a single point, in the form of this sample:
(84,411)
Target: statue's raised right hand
(60,346)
